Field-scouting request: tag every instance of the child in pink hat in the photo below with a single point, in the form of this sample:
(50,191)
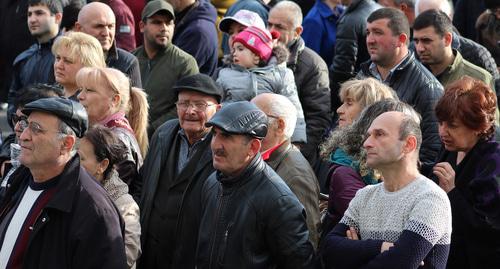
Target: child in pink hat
(258,65)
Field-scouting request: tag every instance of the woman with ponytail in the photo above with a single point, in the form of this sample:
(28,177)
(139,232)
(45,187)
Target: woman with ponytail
(110,100)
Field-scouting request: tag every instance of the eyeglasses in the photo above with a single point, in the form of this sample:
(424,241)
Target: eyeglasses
(16,119)
(36,129)
(197,106)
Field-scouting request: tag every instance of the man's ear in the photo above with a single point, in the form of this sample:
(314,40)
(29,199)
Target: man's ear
(58,17)
(410,144)
(448,38)
(141,26)
(299,30)
(255,145)
(281,126)
(78,27)
(402,39)
(68,143)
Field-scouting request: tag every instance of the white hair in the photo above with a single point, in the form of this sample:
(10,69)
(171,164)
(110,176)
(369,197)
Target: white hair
(443,5)
(282,107)
(294,11)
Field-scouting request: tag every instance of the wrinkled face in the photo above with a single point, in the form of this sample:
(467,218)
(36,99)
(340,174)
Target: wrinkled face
(194,110)
(40,142)
(98,101)
(348,111)
(455,136)
(243,56)
(40,21)
(158,30)
(279,21)
(231,153)
(381,43)
(429,45)
(20,121)
(65,68)
(234,29)
(383,146)
(101,25)
(89,160)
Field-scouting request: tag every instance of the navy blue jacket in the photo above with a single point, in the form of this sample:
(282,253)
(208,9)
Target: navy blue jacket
(34,65)
(195,33)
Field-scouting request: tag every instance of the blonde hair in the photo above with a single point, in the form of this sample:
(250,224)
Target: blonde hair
(133,101)
(81,46)
(366,91)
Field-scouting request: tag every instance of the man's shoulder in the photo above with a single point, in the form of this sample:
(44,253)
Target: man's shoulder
(311,60)
(475,71)
(125,56)
(167,129)
(26,54)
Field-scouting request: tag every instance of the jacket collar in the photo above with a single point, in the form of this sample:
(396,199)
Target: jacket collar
(67,188)
(254,167)
(295,49)
(279,154)
(408,60)
(112,53)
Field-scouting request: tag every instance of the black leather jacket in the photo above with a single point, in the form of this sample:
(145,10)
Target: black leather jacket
(252,221)
(418,87)
(350,47)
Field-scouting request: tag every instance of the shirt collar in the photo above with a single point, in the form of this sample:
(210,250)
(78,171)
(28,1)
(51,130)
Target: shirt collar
(374,71)
(267,154)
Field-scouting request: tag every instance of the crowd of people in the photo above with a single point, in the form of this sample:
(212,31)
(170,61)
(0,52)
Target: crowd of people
(250,134)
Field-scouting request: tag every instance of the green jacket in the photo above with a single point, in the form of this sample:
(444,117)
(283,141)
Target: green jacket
(158,76)
(461,67)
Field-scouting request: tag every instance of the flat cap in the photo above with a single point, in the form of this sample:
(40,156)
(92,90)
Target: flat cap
(240,118)
(199,83)
(155,6)
(70,112)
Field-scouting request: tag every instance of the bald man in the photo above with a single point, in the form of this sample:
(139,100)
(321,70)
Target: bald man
(98,20)
(403,222)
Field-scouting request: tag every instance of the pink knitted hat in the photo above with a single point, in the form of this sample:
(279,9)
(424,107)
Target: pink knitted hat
(258,40)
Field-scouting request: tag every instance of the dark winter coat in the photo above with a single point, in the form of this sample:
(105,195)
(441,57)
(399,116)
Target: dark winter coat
(195,33)
(311,79)
(183,196)
(252,221)
(475,243)
(418,87)
(350,49)
(125,62)
(80,227)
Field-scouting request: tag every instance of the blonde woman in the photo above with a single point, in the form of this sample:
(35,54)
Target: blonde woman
(109,100)
(73,51)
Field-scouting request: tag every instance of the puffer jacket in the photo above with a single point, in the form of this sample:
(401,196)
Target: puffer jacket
(129,210)
(350,49)
(477,54)
(241,84)
(416,86)
(252,221)
(311,78)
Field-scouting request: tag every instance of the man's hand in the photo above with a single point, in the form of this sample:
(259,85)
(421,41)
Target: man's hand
(446,176)
(352,234)
(386,246)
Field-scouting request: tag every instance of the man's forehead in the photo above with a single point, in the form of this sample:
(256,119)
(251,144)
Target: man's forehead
(380,23)
(97,15)
(161,15)
(38,7)
(43,118)
(388,121)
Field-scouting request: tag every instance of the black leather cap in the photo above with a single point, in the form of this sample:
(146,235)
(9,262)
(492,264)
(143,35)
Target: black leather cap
(199,83)
(240,118)
(70,112)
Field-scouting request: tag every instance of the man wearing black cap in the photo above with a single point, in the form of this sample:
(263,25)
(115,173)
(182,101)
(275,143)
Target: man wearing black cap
(176,167)
(161,62)
(251,219)
(54,212)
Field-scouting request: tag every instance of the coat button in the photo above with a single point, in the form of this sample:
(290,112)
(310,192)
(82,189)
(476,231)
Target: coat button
(44,219)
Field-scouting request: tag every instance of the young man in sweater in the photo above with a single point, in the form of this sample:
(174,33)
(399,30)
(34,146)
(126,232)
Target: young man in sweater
(404,222)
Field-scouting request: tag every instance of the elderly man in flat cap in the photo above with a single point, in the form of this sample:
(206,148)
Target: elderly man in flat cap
(251,217)
(54,214)
(177,165)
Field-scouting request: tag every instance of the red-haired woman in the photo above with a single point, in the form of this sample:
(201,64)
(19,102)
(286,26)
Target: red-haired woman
(467,169)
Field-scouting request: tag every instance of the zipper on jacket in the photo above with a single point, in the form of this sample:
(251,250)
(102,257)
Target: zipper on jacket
(220,207)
